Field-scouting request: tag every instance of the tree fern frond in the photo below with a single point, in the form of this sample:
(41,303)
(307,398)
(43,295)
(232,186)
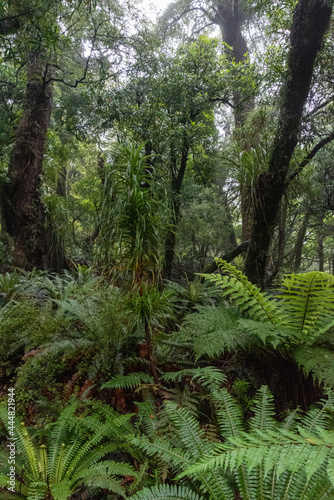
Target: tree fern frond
(242,293)
(212,331)
(166,492)
(308,302)
(318,361)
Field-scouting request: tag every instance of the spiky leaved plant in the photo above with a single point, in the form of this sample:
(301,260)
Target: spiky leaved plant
(130,221)
(74,455)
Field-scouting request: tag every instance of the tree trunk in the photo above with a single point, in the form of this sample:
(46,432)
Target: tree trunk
(281,237)
(310,23)
(320,251)
(299,243)
(25,217)
(177,179)
(230,18)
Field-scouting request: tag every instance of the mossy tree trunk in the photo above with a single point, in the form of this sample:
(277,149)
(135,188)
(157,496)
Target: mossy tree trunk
(230,17)
(25,217)
(310,23)
(177,173)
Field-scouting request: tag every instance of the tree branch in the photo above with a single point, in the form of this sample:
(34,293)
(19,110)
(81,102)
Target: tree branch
(211,268)
(309,157)
(320,106)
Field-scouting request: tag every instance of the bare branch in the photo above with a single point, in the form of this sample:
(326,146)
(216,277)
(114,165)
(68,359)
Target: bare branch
(320,106)
(309,157)
(77,82)
(222,100)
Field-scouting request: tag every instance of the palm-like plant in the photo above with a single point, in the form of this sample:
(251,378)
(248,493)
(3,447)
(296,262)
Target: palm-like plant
(73,456)
(130,216)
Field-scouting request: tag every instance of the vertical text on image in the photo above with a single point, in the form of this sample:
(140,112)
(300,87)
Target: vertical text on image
(11,439)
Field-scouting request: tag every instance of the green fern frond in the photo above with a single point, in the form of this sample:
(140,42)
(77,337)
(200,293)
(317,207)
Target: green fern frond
(316,360)
(188,428)
(263,409)
(319,417)
(206,376)
(243,294)
(131,381)
(61,490)
(307,301)
(166,492)
(179,458)
(228,413)
(212,331)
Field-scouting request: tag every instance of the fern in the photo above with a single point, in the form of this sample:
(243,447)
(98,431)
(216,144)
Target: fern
(307,302)
(166,492)
(242,293)
(74,455)
(316,360)
(131,381)
(275,460)
(298,321)
(206,376)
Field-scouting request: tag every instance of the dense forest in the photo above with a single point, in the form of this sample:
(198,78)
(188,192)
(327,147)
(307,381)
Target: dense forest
(166,250)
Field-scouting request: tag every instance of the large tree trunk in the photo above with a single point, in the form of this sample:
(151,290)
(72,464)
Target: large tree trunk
(25,218)
(310,23)
(230,17)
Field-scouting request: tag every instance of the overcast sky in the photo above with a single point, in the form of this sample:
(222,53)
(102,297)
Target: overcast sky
(154,7)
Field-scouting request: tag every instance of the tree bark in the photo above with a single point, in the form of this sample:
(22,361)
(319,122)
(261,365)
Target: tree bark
(320,251)
(310,23)
(177,180)
(25,217)
(230,18)
(299,243)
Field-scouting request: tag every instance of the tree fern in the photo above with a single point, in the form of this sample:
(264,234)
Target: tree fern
(297,321)
(242,293)
(307,303)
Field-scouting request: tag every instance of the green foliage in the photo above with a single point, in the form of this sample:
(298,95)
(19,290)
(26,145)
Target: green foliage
(23,326)
(297,320)
(166,492)
(130,221)
(131,381)
(276,461)
(307,303)
(73,455)
(260,458)
(243,294)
